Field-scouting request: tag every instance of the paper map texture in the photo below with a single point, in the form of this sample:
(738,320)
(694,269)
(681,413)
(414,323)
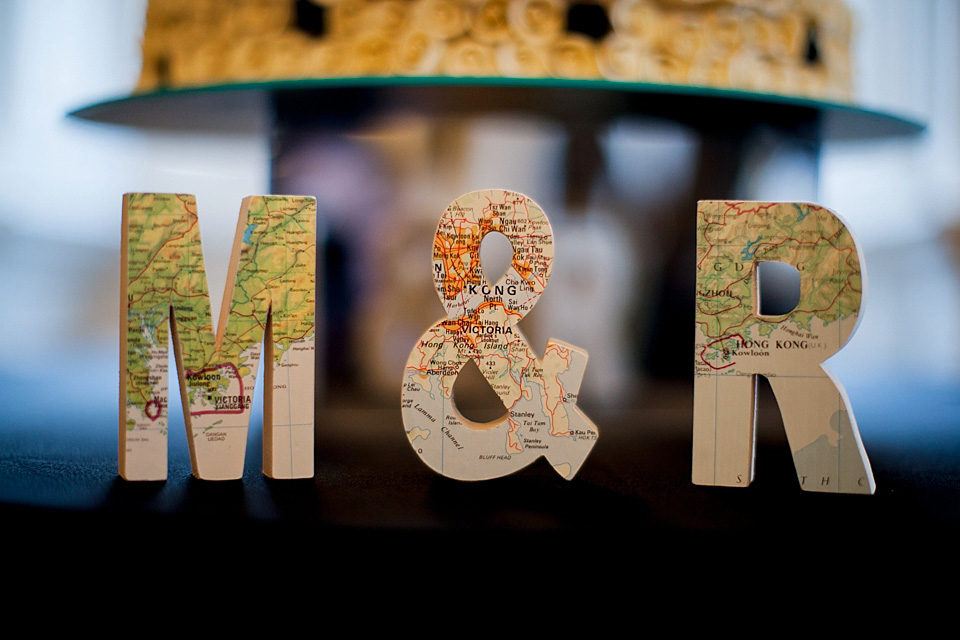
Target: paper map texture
(539,394)
(269,300)
(734,343)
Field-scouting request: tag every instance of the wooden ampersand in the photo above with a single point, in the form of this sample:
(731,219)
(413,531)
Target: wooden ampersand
(540,395)
(735,343)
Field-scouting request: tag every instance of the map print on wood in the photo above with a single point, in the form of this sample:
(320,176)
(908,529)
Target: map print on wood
(539,395)
(734,343)
(269,300)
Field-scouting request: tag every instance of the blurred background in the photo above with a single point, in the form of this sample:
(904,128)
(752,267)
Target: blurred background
(382,179)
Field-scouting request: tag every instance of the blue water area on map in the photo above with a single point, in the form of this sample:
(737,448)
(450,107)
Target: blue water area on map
(747,254)
(249,232)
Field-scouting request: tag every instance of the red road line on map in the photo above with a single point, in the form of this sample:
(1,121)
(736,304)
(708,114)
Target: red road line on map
(214,368)
(735,335)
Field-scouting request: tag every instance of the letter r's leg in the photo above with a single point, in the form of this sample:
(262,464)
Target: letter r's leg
(724,429)
(823,434)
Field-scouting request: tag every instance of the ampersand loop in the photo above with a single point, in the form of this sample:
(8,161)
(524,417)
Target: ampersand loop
(540,395)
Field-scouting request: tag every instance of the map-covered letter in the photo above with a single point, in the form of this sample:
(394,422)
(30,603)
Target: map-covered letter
(734,343)
(269,300)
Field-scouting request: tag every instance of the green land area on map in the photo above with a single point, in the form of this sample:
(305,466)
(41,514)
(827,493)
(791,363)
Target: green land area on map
(732,239)
(165,270)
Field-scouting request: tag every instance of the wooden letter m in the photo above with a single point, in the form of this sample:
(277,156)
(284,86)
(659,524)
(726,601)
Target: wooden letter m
(269,300)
